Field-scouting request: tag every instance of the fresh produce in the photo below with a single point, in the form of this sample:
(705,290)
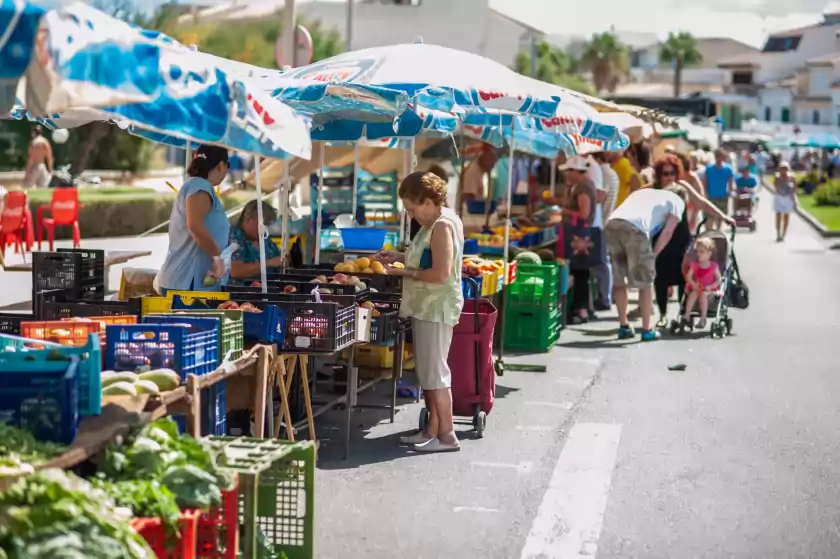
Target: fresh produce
(528,258)
(164,379)
(145,499)
(363,265)
(475,267)
(120,389)
(57,515)
(187,466)
(111,377)
(146,387)
(234,306)
(20,451)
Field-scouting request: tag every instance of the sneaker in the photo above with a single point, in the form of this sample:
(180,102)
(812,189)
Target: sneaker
(663,322)
(650,335)
(626,332)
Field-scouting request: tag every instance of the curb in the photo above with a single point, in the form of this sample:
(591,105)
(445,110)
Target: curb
(809,219)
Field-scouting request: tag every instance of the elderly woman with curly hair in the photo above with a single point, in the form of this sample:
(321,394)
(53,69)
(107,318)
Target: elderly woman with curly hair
(433,300)
(669,171)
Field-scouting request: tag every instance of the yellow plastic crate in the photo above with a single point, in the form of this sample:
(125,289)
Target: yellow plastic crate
(490,283)
(374,356)
(157,305)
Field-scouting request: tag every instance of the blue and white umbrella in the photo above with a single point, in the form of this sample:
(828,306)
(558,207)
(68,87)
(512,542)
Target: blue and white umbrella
(19,23)
(439,78)
(86,64)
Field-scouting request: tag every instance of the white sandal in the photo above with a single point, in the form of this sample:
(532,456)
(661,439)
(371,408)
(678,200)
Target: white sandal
(416,438)
(435,445)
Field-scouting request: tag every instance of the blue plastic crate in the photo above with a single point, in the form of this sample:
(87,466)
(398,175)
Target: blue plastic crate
(268,326)
(188,347)
(478,206)
(471,246)
(213,416)
(363,238)
(471,289)
(32,353)
(43,401)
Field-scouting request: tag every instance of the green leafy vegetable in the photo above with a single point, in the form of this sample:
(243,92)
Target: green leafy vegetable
(145,499)
(56,515)
(20,451)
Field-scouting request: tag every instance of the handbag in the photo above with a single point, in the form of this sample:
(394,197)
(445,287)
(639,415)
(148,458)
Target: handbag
(581,245)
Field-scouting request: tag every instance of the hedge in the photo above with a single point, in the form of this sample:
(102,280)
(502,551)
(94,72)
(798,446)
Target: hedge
(120,212)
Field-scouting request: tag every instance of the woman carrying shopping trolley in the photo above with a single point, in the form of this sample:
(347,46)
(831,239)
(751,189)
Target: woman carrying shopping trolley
(433,299)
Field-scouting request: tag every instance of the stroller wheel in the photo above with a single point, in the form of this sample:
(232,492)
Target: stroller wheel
(480,423)
(674,329)
(424,419)
(752,227)
(728,326)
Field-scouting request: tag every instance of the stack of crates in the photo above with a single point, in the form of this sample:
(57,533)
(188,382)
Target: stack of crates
(532,312)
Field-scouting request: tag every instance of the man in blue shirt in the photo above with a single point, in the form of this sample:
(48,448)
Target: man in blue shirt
(718,181)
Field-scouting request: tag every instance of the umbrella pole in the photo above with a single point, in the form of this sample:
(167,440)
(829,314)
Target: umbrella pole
(355,179)
(188,159)
(459,197)
(263,232)
(554,171)
(408,168)
(319,219)
(285,189)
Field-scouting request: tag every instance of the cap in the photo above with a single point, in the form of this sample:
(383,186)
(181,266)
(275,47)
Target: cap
(784,165)
(576,163)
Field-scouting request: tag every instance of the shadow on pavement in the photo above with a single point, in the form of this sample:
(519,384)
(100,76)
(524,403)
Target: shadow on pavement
(502,390)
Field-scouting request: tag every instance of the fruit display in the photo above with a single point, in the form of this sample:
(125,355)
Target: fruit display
(363,265)
(234,306)
(126,383)
(475,267)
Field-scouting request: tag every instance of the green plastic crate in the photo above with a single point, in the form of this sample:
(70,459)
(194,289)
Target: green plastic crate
(537,286)
(276,493)
(534,331)
(232,335)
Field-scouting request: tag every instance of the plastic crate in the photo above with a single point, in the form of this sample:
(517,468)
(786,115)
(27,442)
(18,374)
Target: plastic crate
(218,528)
(363,238)
(213,419)
(471,246)
(31,352)
(77,273)
(154,305)
(479,206)
(186,349)
(92,271)
(268,326)
(103,322)
(469,288)
(41,397)
(277,478)
(374,356)
(60,332)
(10,322)
(231,336)
(54,308)
(383,283)
(383,328)
(532,331)
(319,327)
(168,546)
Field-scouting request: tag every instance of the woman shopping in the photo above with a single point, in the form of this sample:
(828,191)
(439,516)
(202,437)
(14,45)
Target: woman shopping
(245,263)
(785,201)
(669,273)
(198,226)
(433,300)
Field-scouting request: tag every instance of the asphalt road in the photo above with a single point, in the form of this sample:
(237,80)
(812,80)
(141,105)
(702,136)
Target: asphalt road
(611,455)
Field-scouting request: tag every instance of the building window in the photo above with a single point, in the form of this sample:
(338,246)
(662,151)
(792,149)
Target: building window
(768,114)
(815,117)
(742,78)
(785,114)
(782,44)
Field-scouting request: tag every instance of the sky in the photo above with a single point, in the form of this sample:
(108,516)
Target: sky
(748,21)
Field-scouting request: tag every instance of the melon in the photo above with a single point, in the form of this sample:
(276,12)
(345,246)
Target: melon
(120,389)
(528,258)
(165,379)
(110,377)
(146,387)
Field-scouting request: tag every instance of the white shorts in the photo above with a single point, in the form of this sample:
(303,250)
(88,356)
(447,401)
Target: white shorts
(431,350)
(782,204)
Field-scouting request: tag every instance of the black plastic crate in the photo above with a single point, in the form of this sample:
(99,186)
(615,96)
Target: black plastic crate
(318,327)
(92,274)
(79,274)
(253,297)
(383,283)
(10,322)
(302,287)
(60,307)
(384,328)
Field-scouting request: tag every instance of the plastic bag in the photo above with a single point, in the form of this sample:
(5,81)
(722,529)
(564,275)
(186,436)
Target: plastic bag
(226,256)
(137,282)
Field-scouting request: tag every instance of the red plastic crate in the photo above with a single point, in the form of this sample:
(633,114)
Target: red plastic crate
(218,529)
(154,532)
(103,322)
(60,332)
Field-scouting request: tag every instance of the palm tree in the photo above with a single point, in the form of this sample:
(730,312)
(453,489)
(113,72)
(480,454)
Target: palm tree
(681,50)
(608,59)
(553,66)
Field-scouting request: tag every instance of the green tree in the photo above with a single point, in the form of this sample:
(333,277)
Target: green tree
(680,50)
(608,59)
(553,66)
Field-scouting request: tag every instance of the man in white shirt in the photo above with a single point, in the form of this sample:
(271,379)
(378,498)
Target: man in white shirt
(628,232)
(607,197)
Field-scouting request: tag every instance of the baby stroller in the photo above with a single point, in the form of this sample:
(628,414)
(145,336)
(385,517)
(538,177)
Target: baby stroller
(719,305)
(744,206)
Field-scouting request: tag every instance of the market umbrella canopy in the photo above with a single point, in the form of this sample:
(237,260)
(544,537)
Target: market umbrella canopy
(19,23)
(441,78)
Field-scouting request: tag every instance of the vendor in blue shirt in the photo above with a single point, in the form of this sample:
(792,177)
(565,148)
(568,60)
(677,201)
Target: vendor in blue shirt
(245,263)
(718,180)
(747,183)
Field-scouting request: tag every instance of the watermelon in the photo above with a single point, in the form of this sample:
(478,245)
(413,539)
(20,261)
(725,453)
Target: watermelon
(528,258)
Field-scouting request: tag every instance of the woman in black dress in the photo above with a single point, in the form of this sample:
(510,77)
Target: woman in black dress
(669,264)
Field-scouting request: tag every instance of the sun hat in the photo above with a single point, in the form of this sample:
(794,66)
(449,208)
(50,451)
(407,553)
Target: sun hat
(576,163)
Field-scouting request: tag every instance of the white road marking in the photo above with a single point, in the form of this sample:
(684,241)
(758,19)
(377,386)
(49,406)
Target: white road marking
(521,468)
(559,405)
(475,509)
(568,523)
(534,428)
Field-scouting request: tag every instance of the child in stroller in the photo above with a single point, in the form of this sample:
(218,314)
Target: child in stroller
(703,278)
(746,199)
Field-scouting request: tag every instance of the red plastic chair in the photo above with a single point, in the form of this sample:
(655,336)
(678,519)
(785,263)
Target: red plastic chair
(12,222)
(65,211)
